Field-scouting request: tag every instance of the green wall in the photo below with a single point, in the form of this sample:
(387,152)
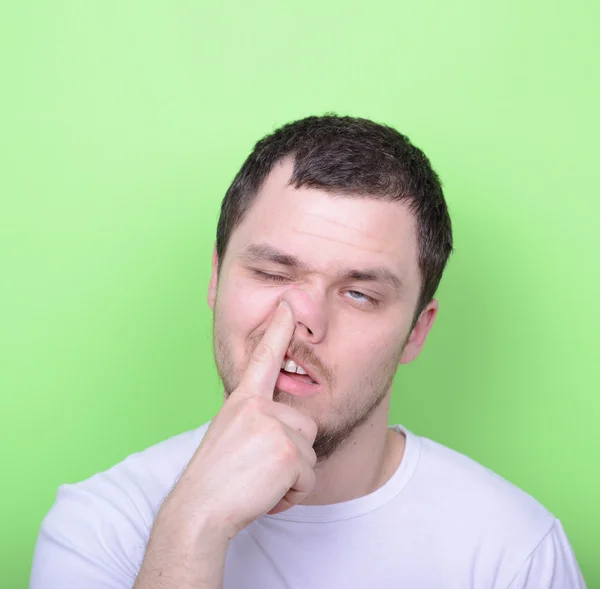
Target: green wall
(123,123)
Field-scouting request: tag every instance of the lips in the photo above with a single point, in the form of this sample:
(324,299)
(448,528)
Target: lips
(300,385)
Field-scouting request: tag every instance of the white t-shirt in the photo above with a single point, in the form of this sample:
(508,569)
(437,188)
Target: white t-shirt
(441,521)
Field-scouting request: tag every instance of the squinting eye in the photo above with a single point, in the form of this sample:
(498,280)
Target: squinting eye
(272,277)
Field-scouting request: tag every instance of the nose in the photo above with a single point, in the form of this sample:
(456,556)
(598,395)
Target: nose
(309,311)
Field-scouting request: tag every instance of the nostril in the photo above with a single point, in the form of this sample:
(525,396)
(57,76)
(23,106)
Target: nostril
(308,329)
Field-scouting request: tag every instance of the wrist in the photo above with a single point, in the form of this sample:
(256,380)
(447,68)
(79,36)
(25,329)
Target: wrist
(203,529)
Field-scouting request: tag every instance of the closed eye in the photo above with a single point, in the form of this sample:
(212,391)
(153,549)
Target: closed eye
(272,277)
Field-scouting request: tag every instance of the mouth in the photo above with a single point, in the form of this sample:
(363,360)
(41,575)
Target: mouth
(293,369)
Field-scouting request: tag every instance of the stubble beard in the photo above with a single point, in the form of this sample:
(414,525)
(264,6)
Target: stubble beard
(353,410)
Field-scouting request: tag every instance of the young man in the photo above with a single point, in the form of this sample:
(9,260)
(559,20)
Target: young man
(332,241)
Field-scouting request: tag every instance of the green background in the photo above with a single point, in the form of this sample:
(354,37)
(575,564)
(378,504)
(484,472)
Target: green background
(123,124)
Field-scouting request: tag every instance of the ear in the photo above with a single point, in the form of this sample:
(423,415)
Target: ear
(416,341)
(212,285)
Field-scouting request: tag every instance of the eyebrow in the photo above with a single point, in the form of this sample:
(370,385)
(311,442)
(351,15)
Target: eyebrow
(264,252)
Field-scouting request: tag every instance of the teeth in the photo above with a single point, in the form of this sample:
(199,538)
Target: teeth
(290,366)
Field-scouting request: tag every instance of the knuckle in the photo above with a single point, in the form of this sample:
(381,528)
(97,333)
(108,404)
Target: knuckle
(272,432)
(288,452)
(263,353)
(254,404)
(251,411)
(275,430)
(248,406)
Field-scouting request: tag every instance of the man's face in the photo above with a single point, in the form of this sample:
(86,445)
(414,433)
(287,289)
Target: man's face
(351,332)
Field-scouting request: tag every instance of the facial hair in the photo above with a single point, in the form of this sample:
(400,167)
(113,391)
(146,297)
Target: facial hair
(347,411)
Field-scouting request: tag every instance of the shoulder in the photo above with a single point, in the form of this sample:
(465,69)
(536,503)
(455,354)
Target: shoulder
(479,509)
(473,488)
(551,565)
(106,519)
(135,487)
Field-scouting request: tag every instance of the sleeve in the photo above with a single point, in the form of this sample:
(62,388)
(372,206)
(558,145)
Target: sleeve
(86,540)
(552,565)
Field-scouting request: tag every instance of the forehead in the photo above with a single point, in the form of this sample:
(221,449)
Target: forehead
(325,229)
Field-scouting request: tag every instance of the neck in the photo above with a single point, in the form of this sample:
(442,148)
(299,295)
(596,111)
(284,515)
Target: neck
(364,463)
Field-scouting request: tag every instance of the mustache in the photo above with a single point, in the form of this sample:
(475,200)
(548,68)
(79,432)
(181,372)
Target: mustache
(303,354)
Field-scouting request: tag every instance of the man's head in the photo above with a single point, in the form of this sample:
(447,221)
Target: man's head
(347,219)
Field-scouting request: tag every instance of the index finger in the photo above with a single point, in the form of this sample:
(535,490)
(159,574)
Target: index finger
(265,363)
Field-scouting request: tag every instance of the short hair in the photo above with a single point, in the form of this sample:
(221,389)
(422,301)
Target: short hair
(355,157)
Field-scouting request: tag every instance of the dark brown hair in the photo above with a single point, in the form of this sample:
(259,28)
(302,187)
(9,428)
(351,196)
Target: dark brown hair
(353,157)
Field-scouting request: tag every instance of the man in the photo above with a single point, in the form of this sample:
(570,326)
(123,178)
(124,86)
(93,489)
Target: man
(331,243)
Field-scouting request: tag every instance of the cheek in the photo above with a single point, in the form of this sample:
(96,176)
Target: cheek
(243,309)
(367,352)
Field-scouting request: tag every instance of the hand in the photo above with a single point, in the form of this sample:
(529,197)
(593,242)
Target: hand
(257,455)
